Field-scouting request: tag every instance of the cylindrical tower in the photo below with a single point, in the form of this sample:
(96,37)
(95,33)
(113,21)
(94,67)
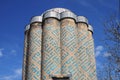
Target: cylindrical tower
(90,51)
(82,25)
(34,56)
(59,45)
(25,52)
(51,45)
(69,45)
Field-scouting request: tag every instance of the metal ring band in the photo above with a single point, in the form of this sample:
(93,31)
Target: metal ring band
(82,19)
(27,27)
(36,19)
(67,15)
(51,14)
(90,28)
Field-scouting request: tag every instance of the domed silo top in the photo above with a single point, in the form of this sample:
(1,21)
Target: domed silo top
(36,19)
(59,13)
(58,10)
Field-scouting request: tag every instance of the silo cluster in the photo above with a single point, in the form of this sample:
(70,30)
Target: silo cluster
(59,46)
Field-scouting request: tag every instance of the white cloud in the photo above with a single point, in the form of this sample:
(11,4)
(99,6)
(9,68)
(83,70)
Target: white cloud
(1,49)
(13,51)
(17,74)
(106,54)
(1,53)
(98,50)
(6,77)
(18,71)
(99,65)
(97,53)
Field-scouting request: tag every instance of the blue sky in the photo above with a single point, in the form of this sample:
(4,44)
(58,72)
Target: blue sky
(15,14)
